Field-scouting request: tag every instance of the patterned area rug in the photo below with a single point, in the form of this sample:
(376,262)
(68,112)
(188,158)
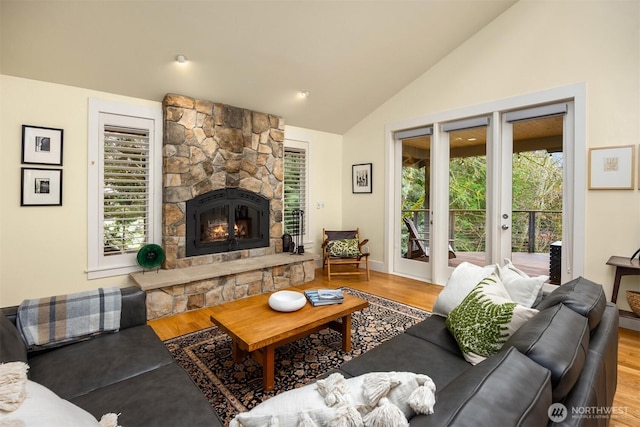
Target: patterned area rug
(237,387)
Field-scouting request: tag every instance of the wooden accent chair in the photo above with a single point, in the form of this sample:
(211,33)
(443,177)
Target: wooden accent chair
(344,247)
(418,246)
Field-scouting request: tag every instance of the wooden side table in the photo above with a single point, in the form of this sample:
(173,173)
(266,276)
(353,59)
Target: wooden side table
(624,267)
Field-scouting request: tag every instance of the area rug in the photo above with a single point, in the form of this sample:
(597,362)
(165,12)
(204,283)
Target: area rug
(232,388)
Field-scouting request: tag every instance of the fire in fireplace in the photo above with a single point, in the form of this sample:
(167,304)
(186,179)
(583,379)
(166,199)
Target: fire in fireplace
(226,220)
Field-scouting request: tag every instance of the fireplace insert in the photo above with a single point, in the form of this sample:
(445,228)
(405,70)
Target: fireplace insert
(226,220)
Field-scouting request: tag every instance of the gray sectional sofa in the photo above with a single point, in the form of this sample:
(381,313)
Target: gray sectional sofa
(129,372)
(559,368)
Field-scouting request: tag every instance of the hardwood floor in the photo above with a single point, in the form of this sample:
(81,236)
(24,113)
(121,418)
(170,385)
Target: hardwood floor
(423,295)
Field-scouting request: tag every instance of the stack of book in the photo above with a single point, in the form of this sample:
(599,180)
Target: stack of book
(324,296)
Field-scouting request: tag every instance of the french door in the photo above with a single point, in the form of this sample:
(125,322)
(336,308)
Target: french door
(484,189)
(533,203)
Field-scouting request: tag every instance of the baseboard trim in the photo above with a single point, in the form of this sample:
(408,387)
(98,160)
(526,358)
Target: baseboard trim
(629,320)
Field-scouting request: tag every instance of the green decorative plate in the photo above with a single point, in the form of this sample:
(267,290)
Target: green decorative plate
(150,256)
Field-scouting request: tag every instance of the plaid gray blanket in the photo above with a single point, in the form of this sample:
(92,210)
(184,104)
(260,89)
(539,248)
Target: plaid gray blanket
(48,322)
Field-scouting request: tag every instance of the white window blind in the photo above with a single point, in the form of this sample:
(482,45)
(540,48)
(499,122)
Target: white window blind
(125,189)
(295,188)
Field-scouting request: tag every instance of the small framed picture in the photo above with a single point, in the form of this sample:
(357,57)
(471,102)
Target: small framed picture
(361,180)
(611,168)
(42,146)
(41,187)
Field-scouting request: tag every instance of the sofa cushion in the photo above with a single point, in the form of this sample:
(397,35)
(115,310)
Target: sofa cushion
(557,339)
(462,280)
(12,348)
(522,289)
(79,368)
(13,385)
(134,307)
(434,330)
(480,398)
(485,319)
(361,398)
(162,397)
(42,407)
(580,295)
(596,385)
(409,354)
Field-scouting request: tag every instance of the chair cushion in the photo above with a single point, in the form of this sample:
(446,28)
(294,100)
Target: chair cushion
(580,295)
(343,248)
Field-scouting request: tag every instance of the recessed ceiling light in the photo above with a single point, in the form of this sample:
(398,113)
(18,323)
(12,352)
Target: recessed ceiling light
(181,59)
(305,94)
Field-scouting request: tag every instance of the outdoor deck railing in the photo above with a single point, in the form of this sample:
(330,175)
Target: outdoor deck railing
(532,231)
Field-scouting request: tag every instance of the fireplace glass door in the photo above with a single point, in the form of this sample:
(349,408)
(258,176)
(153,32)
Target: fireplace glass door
(216,224)
(226,220)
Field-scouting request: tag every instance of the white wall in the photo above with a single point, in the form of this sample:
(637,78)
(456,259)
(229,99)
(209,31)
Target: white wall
(325,178)
(44,249)
(532,47)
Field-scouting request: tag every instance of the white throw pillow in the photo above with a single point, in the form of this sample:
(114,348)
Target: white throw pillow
(523,289)
(13,385)
(42,407)
(346,402)
(463,279)
(485,319)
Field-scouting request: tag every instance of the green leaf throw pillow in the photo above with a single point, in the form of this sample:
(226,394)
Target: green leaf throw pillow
(344,248)
(485,319)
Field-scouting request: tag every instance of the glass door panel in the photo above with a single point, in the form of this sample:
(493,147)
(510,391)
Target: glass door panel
(468,196)
(413,183)
(537,196)
(415,198)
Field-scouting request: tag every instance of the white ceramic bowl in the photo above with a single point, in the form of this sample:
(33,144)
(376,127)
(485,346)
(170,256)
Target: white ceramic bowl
(287,300)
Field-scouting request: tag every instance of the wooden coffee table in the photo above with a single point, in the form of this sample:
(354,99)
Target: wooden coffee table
(257,330)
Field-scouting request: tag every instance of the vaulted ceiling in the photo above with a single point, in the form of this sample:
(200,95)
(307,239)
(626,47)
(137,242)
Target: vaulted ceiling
(350,55)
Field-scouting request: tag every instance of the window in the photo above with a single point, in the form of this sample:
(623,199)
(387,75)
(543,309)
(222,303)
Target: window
(125,191)
(296,186)
(124,185)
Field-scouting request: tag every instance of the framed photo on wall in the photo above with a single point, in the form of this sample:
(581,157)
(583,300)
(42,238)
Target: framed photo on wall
(361,180)
(41,187)
(611,168)
(42,146)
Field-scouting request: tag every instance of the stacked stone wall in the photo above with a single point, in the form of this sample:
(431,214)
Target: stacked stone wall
(211,146)
(177,299)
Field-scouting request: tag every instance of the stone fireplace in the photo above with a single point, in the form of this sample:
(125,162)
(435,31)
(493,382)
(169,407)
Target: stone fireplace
(222,210)
(210,149)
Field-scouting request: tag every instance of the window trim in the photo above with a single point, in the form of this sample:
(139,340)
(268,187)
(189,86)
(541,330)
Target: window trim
(303,145)
(97,264)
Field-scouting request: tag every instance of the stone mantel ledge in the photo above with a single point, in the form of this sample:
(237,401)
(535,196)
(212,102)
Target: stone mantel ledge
(166,278)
